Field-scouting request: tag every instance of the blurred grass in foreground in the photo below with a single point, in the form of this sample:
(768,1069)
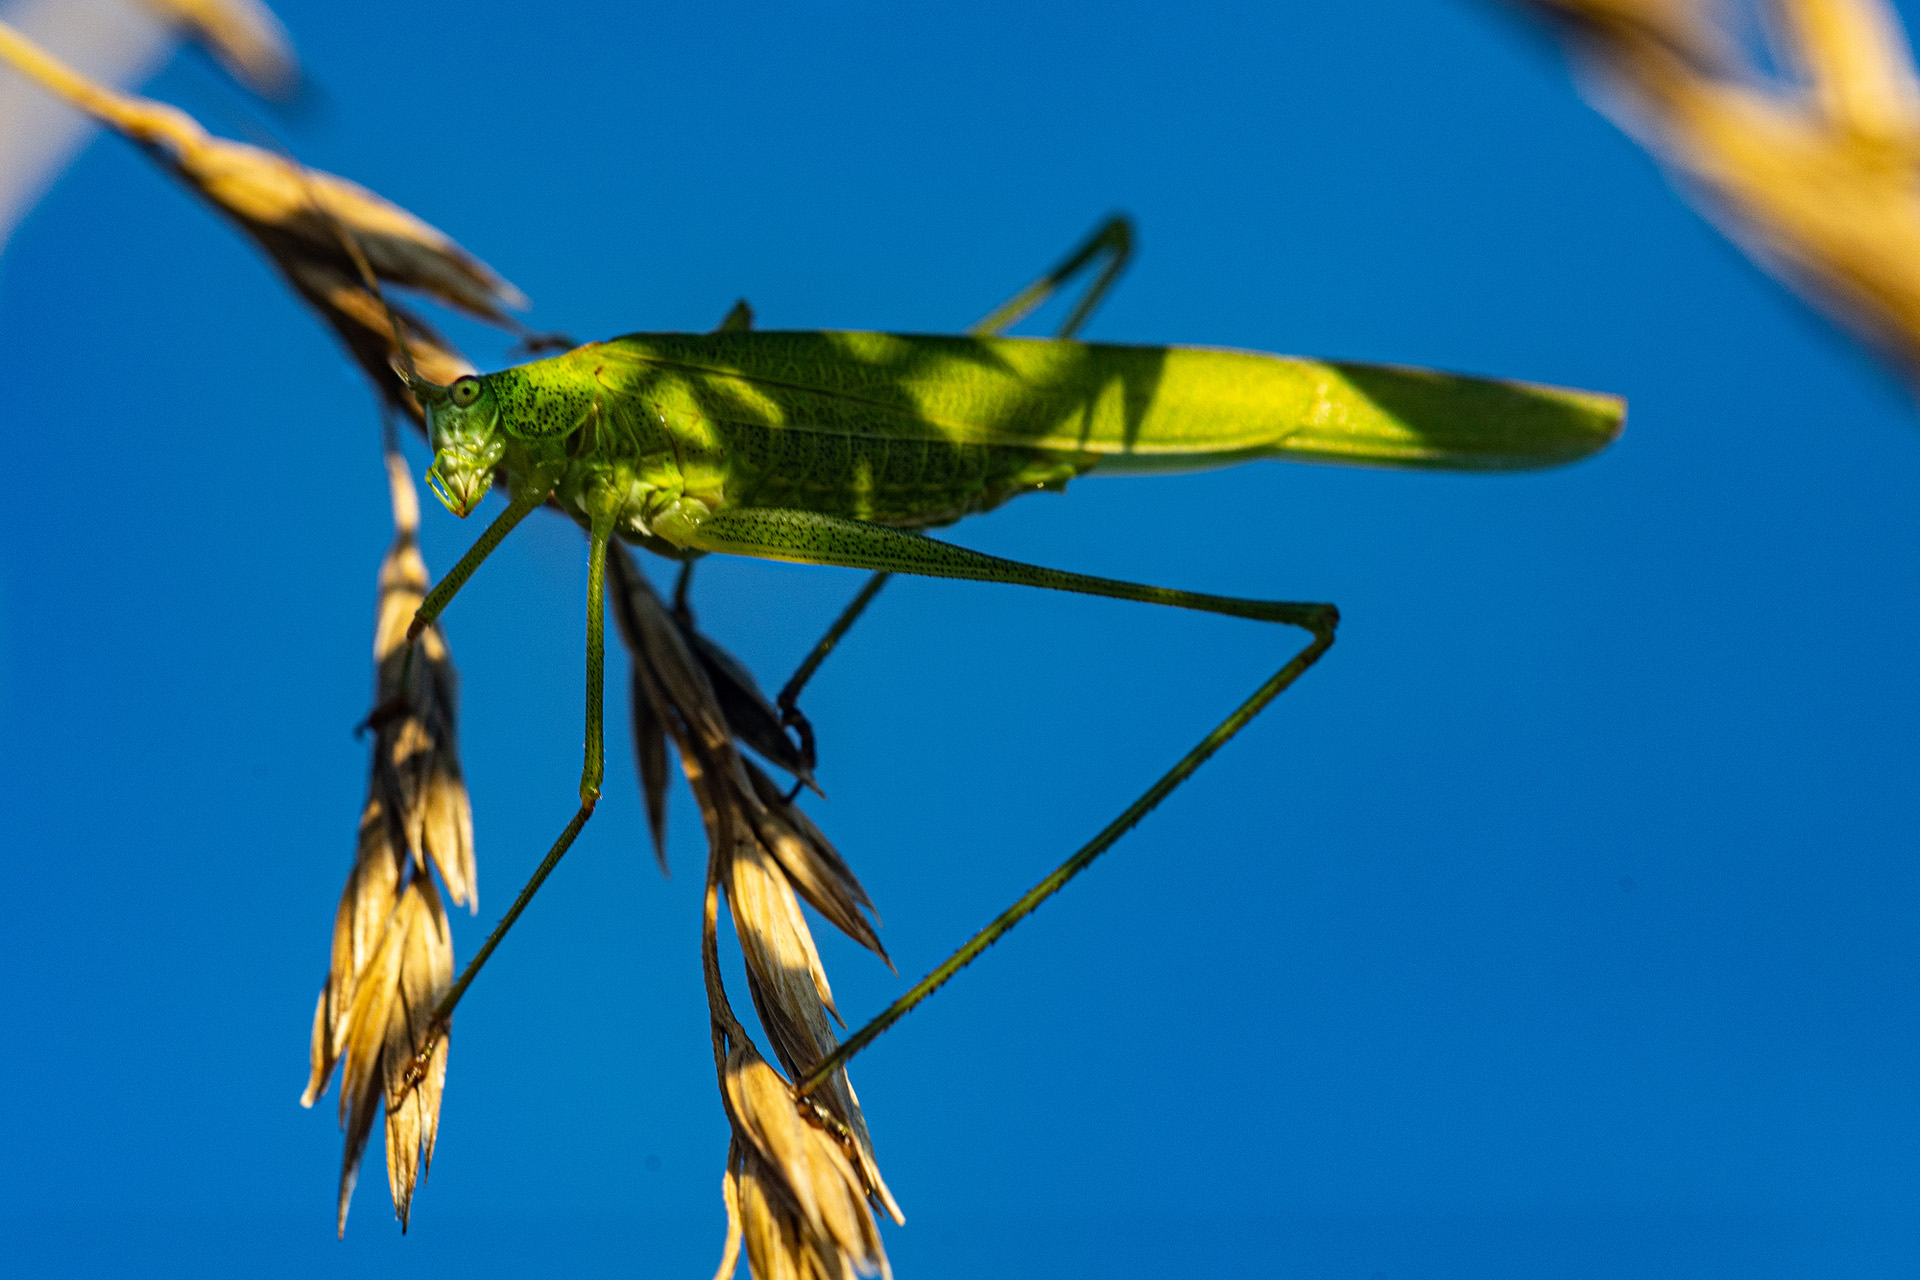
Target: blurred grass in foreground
(1808,158)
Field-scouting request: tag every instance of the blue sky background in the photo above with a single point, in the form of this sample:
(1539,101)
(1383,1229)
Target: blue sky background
(1563,922)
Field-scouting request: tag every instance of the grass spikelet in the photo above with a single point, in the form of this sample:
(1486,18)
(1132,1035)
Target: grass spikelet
(298,216)
(393,1001)
(790,992)
(392,952)
(832,1238)
(243,36)
(1817,174)
(650,758)
(423,976)
(814,866)
(794,1193)
(802,1180)
(373,887)
(416,769)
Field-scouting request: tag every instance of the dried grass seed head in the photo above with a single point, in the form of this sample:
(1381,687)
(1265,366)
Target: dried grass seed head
(243,36)
(393,1005)
(416,761)
(1817,178)
(299,216)
(392,957)
(790,992)
(802,1207)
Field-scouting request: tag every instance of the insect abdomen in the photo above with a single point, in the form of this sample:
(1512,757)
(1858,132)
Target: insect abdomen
(909,484)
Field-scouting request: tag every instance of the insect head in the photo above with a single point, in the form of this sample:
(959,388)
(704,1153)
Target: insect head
(463,422)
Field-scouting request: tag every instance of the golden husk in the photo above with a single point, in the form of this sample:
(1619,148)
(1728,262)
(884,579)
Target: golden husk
(1818,177)
(299,217)
(243,36)
(392,952)
(802,1182)
(802,1207)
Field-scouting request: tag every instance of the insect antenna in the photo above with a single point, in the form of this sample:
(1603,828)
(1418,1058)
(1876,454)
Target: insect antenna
(403,363)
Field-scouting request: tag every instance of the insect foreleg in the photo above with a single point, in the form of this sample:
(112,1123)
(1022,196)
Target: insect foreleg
(436,602)
(591,774)
(805,537)
(524,501)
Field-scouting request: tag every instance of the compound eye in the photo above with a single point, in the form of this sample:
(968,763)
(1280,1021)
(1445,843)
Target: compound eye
(465,391)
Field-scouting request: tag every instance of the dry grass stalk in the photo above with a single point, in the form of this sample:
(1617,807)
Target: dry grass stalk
(802,1181)
(392,953)
(298,217)
(1819,177)
(416,769)
(797,1186)
(243,36)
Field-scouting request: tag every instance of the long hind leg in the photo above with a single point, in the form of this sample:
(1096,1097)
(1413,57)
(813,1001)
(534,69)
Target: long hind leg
(807,538)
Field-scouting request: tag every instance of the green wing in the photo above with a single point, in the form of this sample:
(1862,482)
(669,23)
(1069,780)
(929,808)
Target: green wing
(1135,408)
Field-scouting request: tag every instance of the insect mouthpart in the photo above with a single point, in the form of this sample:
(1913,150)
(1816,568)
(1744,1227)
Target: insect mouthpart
(467,447)
(459,487)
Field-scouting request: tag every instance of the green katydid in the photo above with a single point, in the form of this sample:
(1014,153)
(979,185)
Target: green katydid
(831,448)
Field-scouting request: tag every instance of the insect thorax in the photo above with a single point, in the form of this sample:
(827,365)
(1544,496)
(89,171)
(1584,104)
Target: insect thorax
(542,401)
(608,443)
